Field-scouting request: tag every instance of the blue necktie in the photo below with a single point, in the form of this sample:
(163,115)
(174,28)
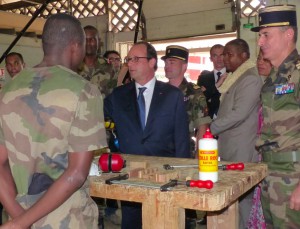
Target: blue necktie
(142,107)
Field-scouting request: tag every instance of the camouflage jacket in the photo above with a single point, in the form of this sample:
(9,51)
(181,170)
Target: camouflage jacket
(196,106)
(281,112)
(101,75)
(47,113)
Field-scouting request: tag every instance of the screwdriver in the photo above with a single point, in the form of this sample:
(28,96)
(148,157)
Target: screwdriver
(234,166)
(208,184)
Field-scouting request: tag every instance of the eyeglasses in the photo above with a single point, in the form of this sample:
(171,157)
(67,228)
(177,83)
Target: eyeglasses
(134,59)
(115,59)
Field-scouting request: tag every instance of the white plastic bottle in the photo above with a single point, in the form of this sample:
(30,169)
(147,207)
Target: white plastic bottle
(208,157)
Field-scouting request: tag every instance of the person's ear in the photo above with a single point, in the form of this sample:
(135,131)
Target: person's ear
(184,66)
(245,56)
(290,33)
(74,46)
(152,62)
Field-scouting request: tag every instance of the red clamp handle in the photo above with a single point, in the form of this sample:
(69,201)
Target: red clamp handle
(208,184)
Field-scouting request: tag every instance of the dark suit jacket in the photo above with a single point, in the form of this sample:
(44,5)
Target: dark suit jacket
(212,94)
(166,133)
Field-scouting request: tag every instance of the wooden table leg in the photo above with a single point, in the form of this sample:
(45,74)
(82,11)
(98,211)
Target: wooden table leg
(228,218)
(161,214)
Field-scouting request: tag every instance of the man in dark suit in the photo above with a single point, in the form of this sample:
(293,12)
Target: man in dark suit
(208,79)
(156,125)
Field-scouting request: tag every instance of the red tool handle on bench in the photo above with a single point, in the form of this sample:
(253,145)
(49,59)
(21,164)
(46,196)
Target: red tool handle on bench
(234,166)
(208,184)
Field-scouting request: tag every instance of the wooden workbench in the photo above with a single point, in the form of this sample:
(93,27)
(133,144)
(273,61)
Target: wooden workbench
(165,210)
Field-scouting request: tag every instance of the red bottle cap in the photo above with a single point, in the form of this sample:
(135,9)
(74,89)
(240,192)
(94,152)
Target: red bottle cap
(208,134)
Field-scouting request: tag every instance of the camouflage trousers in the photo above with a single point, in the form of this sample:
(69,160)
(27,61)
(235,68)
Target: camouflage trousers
(277,188)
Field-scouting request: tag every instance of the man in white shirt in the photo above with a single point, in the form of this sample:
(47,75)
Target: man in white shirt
(150,118)
(208,79)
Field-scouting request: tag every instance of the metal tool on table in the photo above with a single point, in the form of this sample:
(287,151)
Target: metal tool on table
(171,167)
(208,184)
(234,166)
(117,178)
(121,179)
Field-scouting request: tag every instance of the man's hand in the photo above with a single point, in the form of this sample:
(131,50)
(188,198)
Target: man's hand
(203,89)
(201,131)
(295,199)
(8,190)
(12,225)
(221,80)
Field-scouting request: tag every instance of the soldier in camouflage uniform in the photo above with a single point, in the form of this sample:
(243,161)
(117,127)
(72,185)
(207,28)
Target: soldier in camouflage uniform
(280,137)
(14,63)
(99,72)
(96,69)
(114,59)
(51,122)
(176,59)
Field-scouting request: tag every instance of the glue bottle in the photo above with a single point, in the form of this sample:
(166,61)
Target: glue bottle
(208,157)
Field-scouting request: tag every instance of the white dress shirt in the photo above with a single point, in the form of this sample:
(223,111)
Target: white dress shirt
(148,93)
(223,70)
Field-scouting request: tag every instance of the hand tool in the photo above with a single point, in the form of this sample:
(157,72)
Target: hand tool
(117,178)
(234,166)
(171,167)
(208,184)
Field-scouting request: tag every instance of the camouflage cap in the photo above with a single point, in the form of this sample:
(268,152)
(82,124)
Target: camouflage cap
(277,15)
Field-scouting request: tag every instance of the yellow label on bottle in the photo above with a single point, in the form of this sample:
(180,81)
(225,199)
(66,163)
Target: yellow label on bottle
(208,160)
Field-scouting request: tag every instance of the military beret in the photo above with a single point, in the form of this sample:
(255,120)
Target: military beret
(277,15)
(176,51)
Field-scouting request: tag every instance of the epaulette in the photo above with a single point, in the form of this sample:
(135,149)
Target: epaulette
(192,89)
(102,60)
(193,86)
(298,64)
(196,87)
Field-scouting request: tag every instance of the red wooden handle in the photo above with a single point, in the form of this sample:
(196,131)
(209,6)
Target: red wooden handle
(235,166)
(200,183)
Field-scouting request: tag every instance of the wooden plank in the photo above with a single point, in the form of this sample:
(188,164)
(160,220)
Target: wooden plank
(138,164)
(227,218)
(17,22)
(161,213)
